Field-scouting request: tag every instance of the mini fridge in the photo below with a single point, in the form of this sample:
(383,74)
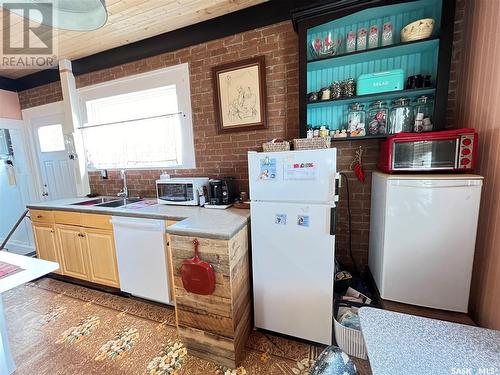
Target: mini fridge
(422,237)
(293,197)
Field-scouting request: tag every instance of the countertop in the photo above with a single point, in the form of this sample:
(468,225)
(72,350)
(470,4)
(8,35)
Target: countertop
(32,269)
(407,344)
(193,220)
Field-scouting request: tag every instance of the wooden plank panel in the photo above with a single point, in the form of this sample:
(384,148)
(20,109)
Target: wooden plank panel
(208,322)
(208,346)
(133,20)
(477,106)
(215,304)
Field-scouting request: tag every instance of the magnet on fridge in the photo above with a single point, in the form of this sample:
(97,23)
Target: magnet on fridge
(280,219)
(303,220)
(267,169)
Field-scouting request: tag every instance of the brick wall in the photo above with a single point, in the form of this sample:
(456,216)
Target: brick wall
(218,155)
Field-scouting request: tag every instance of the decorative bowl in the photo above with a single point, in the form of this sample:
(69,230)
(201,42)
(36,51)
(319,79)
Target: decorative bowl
(420,29)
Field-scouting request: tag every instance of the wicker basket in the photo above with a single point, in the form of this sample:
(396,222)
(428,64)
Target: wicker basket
(312,143)
(276,146)
(417,30)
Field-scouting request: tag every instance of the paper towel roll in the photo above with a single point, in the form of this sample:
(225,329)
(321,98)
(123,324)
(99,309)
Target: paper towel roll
(11,173)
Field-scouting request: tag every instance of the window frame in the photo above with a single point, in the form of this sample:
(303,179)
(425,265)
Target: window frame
(178,75)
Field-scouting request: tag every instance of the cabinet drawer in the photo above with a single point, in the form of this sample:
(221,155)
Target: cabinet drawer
(97,221)
(67,217)
(41,216)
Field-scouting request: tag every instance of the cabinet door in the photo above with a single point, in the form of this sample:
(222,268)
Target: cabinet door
(100,248)
(73,257)
(45,242)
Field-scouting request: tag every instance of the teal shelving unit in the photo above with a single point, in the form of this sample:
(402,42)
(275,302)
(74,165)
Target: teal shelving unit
(430,56)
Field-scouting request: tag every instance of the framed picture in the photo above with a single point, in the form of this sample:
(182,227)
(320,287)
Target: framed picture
(240,95)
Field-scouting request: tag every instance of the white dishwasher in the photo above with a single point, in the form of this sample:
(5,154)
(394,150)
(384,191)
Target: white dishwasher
(141,257)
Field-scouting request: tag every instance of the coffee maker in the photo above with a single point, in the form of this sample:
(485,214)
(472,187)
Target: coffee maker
(222,192)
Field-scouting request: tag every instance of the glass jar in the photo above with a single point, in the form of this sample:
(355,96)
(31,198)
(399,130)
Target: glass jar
(401,117)
(423,110)
(356,120)
(377,118)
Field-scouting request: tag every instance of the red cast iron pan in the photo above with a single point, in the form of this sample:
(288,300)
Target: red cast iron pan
(197,276)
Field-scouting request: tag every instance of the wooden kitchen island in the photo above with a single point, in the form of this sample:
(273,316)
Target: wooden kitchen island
(215,327)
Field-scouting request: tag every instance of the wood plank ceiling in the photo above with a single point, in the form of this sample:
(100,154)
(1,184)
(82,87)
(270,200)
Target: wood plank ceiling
(133,20)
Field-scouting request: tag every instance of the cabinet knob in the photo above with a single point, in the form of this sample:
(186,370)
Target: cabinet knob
(52,231)
(39,216)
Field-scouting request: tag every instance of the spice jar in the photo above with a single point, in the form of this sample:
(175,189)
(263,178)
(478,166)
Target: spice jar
(356,120)
(310,133)
(377,118)
(315,133)
(323,131)
(324,93)
(348,87)
(335,90)
(401,117)
(423,109)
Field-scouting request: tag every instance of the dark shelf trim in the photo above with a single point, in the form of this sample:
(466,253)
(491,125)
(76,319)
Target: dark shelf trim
(366,137)
(371,50)
(377,95)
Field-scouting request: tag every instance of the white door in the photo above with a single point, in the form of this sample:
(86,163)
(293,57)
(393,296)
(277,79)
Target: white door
(15,192)
(293,269)
(306,176)
(430,238)
(57,169)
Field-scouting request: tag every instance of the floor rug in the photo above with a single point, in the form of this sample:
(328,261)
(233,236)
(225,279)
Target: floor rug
(60,328)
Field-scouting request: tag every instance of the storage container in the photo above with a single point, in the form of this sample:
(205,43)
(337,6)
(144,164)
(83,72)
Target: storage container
(372,83)
(401,117)
(312,144)
(350,340)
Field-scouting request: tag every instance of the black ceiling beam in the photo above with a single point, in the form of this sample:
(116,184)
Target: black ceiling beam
(8,84)
(260,15)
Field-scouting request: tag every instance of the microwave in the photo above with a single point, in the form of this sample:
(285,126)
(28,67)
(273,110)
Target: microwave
(448,150)
(189,191)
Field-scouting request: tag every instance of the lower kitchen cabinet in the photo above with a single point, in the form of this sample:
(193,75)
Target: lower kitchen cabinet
(45,242)
(101,255)
(82,244)
(72,246)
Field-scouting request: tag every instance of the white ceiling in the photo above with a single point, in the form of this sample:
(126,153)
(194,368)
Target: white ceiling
(133,20)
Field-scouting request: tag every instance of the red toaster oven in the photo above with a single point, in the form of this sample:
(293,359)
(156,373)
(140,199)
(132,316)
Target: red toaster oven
(448,150)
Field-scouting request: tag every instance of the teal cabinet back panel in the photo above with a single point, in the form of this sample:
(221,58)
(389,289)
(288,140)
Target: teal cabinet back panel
(412,63)
(399,15)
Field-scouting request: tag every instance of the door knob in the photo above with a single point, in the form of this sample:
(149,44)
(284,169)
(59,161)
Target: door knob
(45,194)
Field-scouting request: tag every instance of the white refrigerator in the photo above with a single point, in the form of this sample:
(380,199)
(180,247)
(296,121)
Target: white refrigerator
(293,197)
(422,238)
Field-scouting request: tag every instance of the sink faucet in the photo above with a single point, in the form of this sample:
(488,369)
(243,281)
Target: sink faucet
(124,192)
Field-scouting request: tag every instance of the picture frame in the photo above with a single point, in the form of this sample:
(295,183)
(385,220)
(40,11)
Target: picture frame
(240,95)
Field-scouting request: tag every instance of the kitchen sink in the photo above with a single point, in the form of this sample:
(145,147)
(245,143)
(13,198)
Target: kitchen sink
(93,202)
(119,202)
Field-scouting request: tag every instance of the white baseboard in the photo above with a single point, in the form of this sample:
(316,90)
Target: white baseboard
(18,247)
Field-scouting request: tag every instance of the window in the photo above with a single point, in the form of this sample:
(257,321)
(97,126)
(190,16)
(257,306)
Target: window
(130,124)
(51,138)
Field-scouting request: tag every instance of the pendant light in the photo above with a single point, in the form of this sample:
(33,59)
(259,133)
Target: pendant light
(76,15)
